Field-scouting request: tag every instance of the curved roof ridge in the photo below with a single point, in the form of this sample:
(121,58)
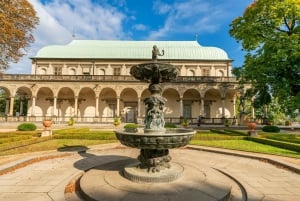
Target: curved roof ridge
(116,49)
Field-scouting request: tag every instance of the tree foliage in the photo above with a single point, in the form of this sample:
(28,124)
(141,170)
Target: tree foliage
(269,32)
(17,19)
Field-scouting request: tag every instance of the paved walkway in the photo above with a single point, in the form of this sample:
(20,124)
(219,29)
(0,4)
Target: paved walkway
(46,175)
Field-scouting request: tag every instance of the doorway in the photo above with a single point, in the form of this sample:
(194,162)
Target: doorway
(130,115)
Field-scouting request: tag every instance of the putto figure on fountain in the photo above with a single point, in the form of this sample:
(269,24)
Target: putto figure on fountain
(154,109)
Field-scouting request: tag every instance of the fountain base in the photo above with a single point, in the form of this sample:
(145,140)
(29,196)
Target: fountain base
(134,173)
(106,182)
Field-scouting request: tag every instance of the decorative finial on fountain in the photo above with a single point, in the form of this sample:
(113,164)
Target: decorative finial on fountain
(155,53)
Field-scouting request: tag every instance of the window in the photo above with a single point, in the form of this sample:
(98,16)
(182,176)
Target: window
(112,109)
(86,68)
(72,71)
(187,111)
(220,73)
(87,76)
(57,70)
(117,71)
(191,73)
(101,72)
(205,72)
(43,71)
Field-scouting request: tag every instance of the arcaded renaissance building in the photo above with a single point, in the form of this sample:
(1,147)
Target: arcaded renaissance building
(89,80)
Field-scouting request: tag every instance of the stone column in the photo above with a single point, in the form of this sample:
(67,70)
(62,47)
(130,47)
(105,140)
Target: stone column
(223,106)
(11,106)
(33,106)
(118,106)
(21,107)
(97,107)
(139,107)
(202,107)
(76,106)
(7,106)
(54,106)
(181,107)
(233,102)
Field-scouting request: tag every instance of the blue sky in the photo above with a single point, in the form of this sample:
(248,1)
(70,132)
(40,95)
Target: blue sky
(60,20)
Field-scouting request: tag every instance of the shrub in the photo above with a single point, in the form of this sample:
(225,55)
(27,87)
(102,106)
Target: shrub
(227,122)
(287,123)
(27,127)
(117,121)
(271,129)
(131,125)
(132,128)
(170,125)
(71,121)
(185,122)
(225,132)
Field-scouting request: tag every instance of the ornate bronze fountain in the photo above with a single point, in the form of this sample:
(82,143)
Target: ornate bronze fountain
(155,141)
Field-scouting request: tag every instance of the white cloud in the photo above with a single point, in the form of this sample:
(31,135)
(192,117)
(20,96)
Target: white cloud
(161,7)
(88,20)
(193,16)
(140,27)
(59,19)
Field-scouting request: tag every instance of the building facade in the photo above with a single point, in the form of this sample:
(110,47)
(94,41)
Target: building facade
(89,80)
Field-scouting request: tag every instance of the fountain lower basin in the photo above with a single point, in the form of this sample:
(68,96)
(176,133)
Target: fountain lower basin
(171,138)
(154,164)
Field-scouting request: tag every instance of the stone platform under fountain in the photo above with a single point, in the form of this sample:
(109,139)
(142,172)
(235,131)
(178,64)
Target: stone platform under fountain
(152,176)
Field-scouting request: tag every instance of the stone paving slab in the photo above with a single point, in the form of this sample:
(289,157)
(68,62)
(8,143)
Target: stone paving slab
(47,179)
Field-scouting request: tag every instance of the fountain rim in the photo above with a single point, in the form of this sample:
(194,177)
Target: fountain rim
(139,133)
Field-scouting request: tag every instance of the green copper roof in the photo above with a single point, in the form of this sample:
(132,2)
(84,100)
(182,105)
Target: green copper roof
(116,49)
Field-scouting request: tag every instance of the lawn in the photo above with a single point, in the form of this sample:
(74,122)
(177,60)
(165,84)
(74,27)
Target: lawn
(54,144)
(245,145)
(86,137)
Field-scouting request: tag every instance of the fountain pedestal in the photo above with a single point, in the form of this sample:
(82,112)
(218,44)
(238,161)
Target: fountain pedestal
(154,160)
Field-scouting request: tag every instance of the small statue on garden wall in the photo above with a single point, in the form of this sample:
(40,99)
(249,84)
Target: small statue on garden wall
(156,52)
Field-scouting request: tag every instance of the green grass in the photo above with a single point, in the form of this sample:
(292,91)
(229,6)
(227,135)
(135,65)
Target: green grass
(215,136)
(281,137)
(55,144)
(85,137)
(244,145)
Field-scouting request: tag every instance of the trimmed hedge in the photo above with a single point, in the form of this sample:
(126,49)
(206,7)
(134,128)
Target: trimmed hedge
(236,132)
(292,138)
(27,127)
(84,133)
(284,145)
(217,137)
(14,138)
(271,129)
(226,132)
(71,131)
(13,145)
(86,136)
(35,133)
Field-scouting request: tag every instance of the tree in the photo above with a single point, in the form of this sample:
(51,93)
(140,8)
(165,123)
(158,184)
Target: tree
(269,31)
(17,19)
